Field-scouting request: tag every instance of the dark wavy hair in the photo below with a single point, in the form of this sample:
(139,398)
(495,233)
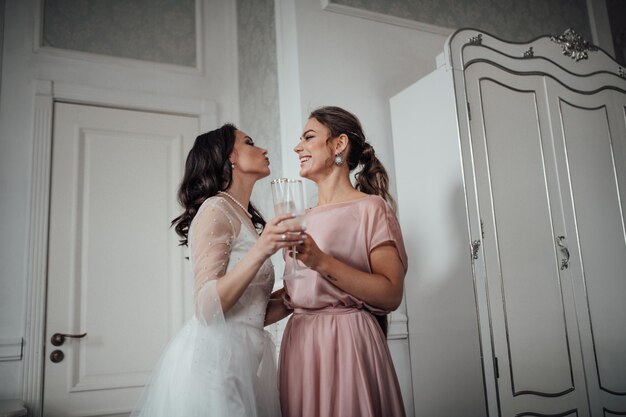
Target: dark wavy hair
(372,178)
(207,171)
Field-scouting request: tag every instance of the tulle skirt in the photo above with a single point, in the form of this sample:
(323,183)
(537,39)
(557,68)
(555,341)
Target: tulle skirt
(223,370)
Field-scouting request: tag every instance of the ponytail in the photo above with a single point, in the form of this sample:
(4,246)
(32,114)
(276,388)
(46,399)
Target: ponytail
(373,178)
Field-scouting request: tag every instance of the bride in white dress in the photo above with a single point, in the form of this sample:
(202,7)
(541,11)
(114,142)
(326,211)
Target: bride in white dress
(221,363)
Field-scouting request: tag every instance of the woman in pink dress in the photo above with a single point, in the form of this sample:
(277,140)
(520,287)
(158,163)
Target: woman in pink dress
(334,359)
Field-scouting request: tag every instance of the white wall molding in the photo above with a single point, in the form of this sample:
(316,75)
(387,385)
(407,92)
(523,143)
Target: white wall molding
(118,61)
(384,18)
(398,326)
(35,303)
(288,81)
(133,100)
(11,349)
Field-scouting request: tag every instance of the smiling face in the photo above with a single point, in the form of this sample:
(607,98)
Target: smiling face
(315,151)
(248,158)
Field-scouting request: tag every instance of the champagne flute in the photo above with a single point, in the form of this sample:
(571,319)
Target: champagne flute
(288,196)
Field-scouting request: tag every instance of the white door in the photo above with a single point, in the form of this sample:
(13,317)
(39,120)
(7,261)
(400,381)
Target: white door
(591,138)
(115,271)
(531,297)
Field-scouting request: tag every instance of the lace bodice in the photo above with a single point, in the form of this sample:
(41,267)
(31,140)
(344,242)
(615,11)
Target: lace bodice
(218,238)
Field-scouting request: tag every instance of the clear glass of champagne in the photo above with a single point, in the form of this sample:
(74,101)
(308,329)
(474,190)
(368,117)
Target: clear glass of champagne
(288,196)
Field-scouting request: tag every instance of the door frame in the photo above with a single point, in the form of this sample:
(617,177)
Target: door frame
(46,93)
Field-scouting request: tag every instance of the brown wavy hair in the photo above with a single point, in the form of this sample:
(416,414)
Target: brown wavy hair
(372,178)
(207,171)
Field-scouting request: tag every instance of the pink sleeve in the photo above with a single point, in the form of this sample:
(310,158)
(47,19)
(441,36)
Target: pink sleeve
(384,229)
(211,236)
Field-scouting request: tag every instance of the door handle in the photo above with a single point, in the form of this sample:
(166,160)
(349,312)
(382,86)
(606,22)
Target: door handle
(560,241)
(58,339)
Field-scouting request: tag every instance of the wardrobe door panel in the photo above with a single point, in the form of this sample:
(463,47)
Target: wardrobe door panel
(531,301)
(593,136)
(522,221)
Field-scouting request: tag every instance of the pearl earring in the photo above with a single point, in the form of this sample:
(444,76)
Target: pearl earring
(338,160)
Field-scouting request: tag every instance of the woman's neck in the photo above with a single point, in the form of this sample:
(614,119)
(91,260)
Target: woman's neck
(241,192)
(335,188)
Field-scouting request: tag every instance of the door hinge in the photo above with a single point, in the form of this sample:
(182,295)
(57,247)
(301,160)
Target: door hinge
(474,249)
(495,367)
(469,112)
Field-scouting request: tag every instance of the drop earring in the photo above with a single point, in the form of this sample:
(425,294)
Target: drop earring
(338,159)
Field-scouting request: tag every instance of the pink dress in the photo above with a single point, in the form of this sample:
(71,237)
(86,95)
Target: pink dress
(334,359)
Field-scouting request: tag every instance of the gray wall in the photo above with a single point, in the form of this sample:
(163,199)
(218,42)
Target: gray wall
(149,30)
(617,12)
(511,20)
(1,39)
(258,88)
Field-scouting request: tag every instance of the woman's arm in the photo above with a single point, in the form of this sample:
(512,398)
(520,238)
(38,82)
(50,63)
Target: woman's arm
(231,286)
(382,288)
(276,308)
(216,290)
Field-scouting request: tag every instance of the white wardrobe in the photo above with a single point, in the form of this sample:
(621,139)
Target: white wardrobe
(511,177)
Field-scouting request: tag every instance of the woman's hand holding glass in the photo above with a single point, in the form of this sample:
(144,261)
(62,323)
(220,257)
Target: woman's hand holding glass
(309,253)
(279,233)
(288,196)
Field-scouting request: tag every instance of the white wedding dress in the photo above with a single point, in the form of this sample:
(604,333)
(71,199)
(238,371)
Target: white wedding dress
(219,364)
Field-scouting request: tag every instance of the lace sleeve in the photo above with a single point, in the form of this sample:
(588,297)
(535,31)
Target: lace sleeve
(212,234)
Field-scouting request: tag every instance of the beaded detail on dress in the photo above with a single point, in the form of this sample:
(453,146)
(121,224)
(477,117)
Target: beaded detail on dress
(219,238)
